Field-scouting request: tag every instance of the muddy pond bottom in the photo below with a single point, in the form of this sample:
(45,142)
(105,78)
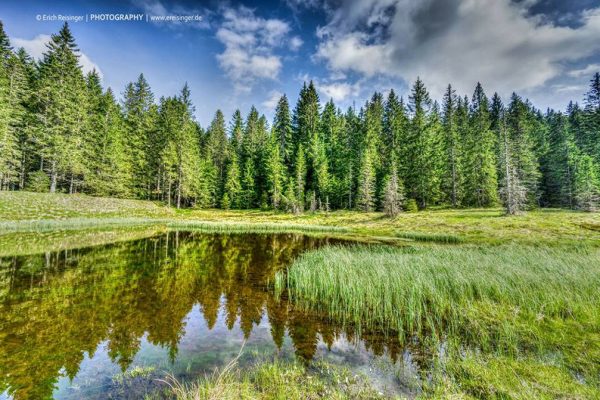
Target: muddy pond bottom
(113,321)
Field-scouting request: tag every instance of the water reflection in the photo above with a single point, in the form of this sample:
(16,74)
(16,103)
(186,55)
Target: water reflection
(184,297)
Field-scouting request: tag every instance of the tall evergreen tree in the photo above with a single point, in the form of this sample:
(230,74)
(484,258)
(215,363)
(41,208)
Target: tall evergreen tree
(282,125)
(275,171)
(422,148)
(481,182)
(60,107)
(106,153)
(393,192)
(13,95)
(145,142)
(519,121)
(217,150)
(365,200)
(590,138)
(233,187)
(452,147)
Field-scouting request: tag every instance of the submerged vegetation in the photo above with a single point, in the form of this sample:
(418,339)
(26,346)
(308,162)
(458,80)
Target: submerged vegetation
(275,380)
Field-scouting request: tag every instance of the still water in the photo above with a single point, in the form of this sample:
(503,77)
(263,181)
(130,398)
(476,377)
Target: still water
(180,303)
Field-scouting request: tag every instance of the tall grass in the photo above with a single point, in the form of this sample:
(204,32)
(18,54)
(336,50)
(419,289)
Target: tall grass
(208,226)
(442,291)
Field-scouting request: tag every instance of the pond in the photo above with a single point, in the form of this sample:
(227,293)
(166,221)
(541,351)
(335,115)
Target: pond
(74,323)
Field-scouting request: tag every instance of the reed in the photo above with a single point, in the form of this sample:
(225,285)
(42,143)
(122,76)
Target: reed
(441,290)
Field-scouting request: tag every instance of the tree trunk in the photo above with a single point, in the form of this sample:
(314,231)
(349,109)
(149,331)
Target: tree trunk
(53,178)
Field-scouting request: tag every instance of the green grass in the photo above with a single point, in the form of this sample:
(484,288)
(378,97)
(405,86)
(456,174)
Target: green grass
(275,380)
(23,211)
(535,308)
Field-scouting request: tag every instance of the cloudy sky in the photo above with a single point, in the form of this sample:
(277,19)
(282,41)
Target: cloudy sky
(235,54)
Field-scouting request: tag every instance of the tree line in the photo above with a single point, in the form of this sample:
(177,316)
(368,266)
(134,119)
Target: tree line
(61,131)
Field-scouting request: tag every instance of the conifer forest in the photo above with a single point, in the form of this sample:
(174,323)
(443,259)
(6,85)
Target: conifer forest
(61,131)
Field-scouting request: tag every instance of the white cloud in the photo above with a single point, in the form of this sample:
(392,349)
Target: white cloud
(250,45)
(271,102)
(454,41)
(296,43)
(338,91)
(563,88)
(36,48)
(587,71)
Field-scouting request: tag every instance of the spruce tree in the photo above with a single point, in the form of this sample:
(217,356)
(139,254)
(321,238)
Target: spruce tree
(275,171)
(282,124)
(233,187)
(519,120)
(586,183)
(422,145)
(365,200)
(217,149)
(13,92)
(108,164)
(590,138)
(452,169)
(145,143)
(481,184)
(393,192)
(60,107)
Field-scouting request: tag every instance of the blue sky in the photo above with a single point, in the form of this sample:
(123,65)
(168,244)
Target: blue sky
(244,53)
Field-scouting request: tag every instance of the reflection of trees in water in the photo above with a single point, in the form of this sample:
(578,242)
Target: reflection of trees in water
(57,306)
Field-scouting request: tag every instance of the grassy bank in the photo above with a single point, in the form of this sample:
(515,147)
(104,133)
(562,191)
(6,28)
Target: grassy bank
(22,211)
(516,321)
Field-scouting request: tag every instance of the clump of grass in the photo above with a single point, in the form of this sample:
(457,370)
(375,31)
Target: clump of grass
(515,321)
(430,237)
(275,380)
(435,290)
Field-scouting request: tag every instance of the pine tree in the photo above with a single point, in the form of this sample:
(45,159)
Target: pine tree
(180,156)
(282,125)
(13,94)
(590,139)
(587,183)
(144,141)
(248,192)
(25,75)
(236,132)
(233,186)
(365,200)
(452,170)
(60,107)
(519,120)
(109,168)
(306,131)
(300,178)
(275,170)
(217,149)
(559,170)
(481,182)
(422,145)
(393,192)
(514,193)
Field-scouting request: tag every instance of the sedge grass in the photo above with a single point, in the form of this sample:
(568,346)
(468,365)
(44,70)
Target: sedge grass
(516,321)
(438,289)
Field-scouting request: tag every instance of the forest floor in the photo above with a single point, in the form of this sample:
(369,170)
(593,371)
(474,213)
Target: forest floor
(509,302)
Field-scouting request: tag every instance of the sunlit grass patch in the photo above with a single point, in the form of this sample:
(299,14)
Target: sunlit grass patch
(498,305)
